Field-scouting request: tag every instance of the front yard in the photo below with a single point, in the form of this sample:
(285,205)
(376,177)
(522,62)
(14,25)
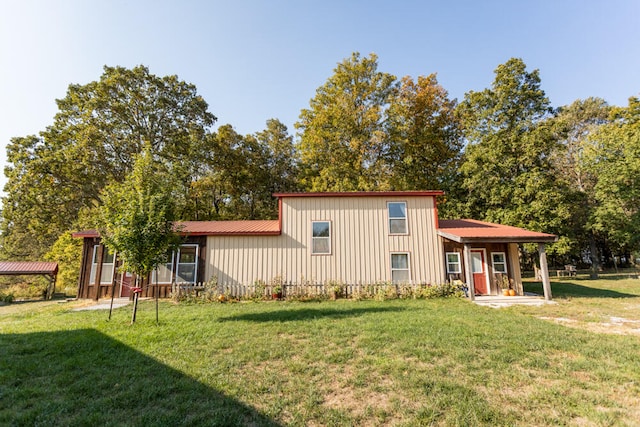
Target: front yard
(400,362)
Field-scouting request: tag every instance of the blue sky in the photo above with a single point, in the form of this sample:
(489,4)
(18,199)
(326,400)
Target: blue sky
(255,60)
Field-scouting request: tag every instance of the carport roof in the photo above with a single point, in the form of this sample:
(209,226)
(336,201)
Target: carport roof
(470,230)
(17,268)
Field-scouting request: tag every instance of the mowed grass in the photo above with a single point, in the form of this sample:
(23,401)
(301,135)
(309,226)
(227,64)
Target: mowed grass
(409,362)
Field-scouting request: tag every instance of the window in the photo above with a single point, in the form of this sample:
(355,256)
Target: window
(400,268)
(321,237)
(453,263)
(498,260)
(164,272)
(397,217)
(108,266)
(187,264)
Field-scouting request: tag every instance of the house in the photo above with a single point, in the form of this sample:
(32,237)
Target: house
(350,237)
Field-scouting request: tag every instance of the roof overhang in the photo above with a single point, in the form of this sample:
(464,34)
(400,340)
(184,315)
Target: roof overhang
(213,228)
(422,193)
(472,231)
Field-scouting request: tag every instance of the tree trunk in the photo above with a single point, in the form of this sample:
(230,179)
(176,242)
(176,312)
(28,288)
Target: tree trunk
(595,258)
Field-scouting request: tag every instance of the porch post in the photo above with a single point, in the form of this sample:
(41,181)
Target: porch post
(544,270)
(467,271)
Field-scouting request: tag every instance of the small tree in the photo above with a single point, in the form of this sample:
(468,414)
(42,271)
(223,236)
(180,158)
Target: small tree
(136,218)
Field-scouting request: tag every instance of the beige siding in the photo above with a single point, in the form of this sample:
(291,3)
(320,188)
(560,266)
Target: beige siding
(361,246)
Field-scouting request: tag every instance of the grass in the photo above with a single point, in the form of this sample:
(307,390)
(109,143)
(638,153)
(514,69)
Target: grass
(400,362)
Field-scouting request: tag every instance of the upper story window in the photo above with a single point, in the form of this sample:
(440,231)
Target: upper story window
(453,263)
(397,217)
(108,266)
(498,260)
(321,237)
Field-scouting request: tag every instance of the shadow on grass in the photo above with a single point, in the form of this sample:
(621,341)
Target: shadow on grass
(572,290)
(308,314)
(83,377)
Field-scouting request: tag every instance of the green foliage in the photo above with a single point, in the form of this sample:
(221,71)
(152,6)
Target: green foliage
(67,252)
(137,217)
(575,126)
(242,172)
(364,130)
(506,169)
(342,143)
(6,297)
(96,134)
(423,135)
(614,157)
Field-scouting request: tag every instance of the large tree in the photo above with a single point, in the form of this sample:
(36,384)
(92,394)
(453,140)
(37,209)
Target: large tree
(507,172)
(576,125)
(614,157)
(342,141)
(424,136)
(242,173)
(98,130)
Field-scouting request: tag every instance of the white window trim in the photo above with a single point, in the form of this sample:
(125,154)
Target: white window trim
(408,269)
(93,273)
(177,263)
(458,263)
(172,271)
(329,238)
(493,263)
(405,218)
(94,266)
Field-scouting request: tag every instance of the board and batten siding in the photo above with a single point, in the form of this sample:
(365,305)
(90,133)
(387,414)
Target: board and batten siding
(361,245)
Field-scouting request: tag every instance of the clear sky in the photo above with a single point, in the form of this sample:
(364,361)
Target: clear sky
(253,60)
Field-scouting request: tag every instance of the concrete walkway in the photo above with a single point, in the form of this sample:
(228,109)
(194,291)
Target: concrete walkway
(499,301)
(104,304)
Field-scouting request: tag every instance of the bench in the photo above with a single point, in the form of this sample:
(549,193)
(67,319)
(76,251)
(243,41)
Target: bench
(569,270)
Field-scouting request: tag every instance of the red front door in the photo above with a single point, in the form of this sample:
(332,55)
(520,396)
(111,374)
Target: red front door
(125,287)
(479,271)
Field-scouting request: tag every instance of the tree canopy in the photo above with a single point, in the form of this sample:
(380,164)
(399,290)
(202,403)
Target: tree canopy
(99,129)
(342,142)
(502,154)
(506,168)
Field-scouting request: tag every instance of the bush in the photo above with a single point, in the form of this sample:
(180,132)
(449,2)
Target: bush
(67,252)
(6,297)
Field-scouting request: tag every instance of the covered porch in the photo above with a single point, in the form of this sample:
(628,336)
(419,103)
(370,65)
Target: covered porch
(486,256)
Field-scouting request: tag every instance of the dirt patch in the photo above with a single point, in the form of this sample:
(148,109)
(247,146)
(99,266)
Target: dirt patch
(615,325)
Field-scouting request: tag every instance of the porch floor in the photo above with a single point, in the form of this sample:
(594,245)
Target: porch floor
(498,301)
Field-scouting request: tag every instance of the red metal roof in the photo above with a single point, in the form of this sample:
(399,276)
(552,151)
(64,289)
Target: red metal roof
(230,228)
(15,268)
(215,228)
(466,230)
(85,233)
(364,194)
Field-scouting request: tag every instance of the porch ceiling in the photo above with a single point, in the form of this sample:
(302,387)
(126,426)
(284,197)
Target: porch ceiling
(470,231)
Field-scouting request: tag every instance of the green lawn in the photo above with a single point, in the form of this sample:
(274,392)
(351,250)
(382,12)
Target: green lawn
(413,362)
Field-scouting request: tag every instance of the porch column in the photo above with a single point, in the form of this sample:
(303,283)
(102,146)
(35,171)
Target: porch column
(544,270)
(467,271)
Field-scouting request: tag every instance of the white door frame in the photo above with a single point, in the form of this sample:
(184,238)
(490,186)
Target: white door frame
(485,266)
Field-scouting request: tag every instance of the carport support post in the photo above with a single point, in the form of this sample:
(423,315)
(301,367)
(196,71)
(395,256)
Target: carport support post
(544,270)
(467,271)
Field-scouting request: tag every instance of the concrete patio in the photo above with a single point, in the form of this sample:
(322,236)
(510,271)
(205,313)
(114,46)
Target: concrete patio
(499,301)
